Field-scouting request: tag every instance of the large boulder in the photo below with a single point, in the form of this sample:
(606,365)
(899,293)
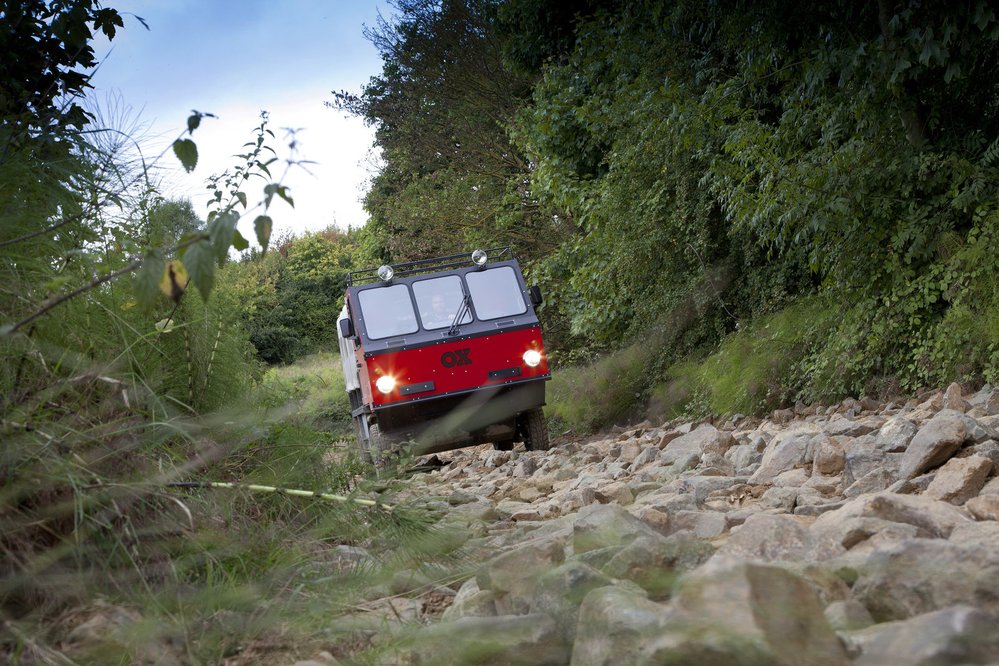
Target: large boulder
(918,576)
(654,563)
(935,517)
(602,525)
(960,479)
(512,575)
(769,538)
(614,624)
(895,434)
(706,438)
(787,450)
(934,443)
(746,614)
(558,593)
(957,635)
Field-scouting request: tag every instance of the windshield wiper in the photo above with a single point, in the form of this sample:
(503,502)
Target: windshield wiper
(463,309)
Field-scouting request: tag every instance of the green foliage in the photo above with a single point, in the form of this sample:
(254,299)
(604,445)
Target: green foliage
(590,397)
(755,369)
(289,300)
(441,107)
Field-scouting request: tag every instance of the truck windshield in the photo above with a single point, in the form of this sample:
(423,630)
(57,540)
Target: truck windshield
(387,311)
(495,293)
(438,300)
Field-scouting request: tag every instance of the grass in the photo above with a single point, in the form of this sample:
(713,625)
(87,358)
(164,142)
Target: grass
(587,398)
(104,562)
(753,370)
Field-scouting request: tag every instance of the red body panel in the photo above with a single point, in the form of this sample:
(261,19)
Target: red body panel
(460,365)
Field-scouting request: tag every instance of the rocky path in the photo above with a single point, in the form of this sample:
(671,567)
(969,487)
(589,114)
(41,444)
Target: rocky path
(862,533)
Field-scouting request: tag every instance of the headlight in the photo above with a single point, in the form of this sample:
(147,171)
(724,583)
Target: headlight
(479,257)
(385,383)
(386,273)
(532,357)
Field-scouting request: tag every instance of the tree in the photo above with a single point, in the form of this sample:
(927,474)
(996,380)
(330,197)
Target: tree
(441,108)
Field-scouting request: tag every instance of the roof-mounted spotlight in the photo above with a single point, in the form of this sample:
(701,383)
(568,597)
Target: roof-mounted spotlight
(479,257)
(385,273)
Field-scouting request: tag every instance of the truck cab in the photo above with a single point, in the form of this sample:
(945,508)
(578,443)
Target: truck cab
(443,353)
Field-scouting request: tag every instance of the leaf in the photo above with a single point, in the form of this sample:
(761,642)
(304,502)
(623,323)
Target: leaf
(164,325)
(273,188)
(174,280)
(200,262)
(187,152)
(263,225)
(220,233)
(238,242)
(148,278)
(187,240)
(242,198)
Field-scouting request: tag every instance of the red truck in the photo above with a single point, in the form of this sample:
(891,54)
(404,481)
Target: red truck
(443,353)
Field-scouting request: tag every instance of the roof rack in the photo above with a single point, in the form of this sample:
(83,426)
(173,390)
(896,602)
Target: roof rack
(427,265)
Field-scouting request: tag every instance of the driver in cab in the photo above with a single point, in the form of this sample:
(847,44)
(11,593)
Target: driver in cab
(438,316)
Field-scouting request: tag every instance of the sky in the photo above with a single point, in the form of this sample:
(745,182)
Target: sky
(235,59)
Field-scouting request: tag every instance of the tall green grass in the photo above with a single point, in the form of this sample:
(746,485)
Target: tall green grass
(96,426)
(754,369)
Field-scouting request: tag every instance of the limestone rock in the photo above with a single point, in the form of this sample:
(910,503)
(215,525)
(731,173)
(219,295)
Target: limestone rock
(918,576)
(957,635)
(509,639)
(750,609)
(470,601)
(895,434)
(512,574)
(848,615)
(937,518)
(614,624)
(960,479)
(767,538)
(829,458)
(984,507)
(559,593)
(600,525)
(654,563)
(787,450)
(705,437)
(934,443)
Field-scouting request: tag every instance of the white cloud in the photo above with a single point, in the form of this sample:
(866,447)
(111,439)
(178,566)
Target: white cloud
(234,60)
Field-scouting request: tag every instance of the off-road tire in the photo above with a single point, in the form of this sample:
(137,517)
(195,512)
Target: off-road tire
(534,430)
(363,445)
(379,445)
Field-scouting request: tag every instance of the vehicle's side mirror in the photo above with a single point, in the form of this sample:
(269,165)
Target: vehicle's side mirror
(536,298)
(346,328)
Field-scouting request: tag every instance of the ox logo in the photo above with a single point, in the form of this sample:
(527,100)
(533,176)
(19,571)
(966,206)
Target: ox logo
(456,357)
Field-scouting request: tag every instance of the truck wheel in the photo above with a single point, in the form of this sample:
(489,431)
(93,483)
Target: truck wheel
(534,430)
(380,446)
(363,445)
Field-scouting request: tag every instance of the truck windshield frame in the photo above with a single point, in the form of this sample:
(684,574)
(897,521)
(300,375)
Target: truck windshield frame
(496,293)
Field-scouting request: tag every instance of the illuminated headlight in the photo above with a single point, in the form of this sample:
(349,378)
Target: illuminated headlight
(385,384)
(386,273)
(532,357)
(479,257)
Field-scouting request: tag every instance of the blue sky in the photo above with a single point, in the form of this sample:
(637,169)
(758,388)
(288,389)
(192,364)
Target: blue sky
(234,59)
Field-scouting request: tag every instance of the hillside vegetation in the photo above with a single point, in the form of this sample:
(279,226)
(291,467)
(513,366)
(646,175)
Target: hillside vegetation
(731,207)
(679,173)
